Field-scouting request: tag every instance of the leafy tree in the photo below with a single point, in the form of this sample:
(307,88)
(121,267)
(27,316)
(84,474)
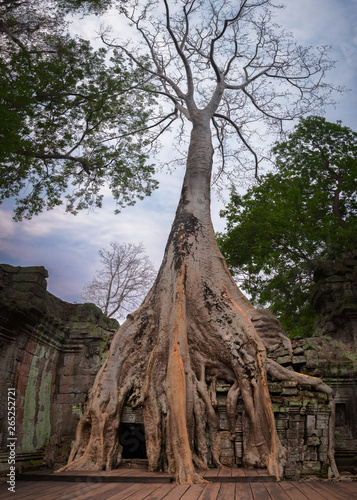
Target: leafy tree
(123,281)
(219,67)
(68,115)
(302,213)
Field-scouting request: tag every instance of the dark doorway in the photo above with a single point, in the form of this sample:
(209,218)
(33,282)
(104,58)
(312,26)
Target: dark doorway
(132,439)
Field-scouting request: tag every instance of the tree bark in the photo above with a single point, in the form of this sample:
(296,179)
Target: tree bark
(193,328)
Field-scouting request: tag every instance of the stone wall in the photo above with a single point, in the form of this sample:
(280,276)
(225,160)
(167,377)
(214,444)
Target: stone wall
(335,298)
(50,352)
(301,417)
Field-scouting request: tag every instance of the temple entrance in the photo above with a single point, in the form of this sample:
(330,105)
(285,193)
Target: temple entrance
(132,439)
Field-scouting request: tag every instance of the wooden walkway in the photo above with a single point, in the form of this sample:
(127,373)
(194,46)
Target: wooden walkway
(284,490)
(141,475)
(227,486)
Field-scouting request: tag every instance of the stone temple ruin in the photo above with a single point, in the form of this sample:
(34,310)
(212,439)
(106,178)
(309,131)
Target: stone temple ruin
(50,352)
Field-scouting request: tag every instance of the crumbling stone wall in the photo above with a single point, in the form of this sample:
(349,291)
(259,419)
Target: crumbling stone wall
(335,298)
(302,413)
(50,352)
(301,416)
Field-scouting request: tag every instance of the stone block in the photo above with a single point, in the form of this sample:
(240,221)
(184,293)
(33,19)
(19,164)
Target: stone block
(281,424)
(313,441)
(284,360)
(294,416)
(289,383)
(299,360)
(274,387)
(239,426)
(223,423)
(227,452)
(310,422)
(291,434)
(289,391)
(310,454)
(294,426)
(322,422)
(228,461)
(311,467)
(238,447)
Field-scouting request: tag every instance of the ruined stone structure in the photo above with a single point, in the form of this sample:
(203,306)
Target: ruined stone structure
(50,352)
(335,298)
(301,414)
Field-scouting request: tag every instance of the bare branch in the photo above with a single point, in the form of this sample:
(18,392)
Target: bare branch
(227,23)
(190,84)
(235,126)
(123,280)
(58,156)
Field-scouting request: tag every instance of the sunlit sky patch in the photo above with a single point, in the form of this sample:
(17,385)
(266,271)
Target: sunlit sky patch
(67,245)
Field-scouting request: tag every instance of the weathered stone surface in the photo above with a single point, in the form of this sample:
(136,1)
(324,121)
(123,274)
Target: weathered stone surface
(50,352)
(335,298)
(271,332)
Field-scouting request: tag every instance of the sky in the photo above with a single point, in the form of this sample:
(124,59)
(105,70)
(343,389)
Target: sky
(67,246)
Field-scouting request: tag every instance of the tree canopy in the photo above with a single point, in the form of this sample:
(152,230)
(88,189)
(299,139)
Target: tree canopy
(301,213)
(68,114)
(220,67)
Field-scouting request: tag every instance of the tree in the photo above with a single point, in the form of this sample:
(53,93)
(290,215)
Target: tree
(122,283)
(218,64)
(68,116)
(302,213)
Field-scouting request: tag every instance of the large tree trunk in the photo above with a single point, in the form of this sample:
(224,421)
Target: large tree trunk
(194,327)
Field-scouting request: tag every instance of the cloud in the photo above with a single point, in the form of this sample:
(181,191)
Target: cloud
(67,246)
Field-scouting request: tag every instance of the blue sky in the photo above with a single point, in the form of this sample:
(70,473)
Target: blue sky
(67,245)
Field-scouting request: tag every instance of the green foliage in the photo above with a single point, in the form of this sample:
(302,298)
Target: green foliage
(69,114)
(303,212)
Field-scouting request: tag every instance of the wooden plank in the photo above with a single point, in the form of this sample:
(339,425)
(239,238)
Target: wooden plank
(239,472)
(210,491)
(259,491)
(243,491)
(177,492)
(44,491)
(262,472)
(20,491)
(338,486)
(250,472)
(49,489)
(106,490)
(276,492)
(330,490)
(309,492)
(20,488)
(77,491)
(293,492)
(227,491)
(143,492)
(161,492)
(224,472)
(193,492)
(350,486)
(133,488)
(211,473)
